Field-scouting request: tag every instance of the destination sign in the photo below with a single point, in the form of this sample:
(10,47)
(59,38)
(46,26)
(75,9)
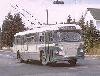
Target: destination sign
(58,2)
(68,28)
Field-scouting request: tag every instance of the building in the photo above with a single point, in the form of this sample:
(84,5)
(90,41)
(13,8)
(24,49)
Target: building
(93,14)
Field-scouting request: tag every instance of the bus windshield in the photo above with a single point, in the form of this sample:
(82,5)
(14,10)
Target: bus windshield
(70,37)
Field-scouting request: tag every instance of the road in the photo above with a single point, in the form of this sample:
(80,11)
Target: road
(10,66)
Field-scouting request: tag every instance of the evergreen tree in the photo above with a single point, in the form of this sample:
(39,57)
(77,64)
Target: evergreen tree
(82,23)
(11,26)
(73,22)
(90,36)
(69,19)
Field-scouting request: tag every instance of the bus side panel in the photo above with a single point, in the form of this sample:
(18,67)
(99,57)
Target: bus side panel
(30,53)
(18,47)
(33,52)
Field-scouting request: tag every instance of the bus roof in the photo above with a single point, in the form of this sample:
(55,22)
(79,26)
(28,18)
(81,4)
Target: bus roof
(47,28)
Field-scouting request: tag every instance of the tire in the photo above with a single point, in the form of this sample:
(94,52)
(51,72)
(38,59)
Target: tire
(20,58)
(72,62)
(43,58)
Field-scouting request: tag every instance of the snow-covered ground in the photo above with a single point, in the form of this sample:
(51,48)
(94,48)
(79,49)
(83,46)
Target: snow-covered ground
(10,67)
(7,54)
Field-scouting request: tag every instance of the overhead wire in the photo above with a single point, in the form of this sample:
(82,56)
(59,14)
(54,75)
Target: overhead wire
(16,7)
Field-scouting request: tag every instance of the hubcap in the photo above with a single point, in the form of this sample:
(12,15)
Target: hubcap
(44,61)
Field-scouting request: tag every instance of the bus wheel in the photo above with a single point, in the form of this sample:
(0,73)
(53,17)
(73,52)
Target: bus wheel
(43,58)
(72,62)
(20,59)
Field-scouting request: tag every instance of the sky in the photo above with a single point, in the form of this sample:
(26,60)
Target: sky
(37,8)
(82,1)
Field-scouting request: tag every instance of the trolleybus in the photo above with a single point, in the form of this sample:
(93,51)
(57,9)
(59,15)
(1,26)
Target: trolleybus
(50,44)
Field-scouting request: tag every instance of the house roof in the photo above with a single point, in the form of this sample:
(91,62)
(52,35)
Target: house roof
(95,13)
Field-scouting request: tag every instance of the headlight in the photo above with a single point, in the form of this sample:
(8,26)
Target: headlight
(57,52)
(81,50)
(61,53)
(61,48)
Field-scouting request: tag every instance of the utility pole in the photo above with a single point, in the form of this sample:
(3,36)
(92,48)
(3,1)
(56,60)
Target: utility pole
(0,39)
(75,1)
(47,15)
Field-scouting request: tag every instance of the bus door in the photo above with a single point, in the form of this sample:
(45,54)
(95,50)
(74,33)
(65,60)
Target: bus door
(49,44)
(51,54)
(25,46)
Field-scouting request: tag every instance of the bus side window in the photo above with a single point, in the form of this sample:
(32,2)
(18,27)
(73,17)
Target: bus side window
(50,36)
(41,37)
(55,37)
(18,40)
(29,38)
(15,40)
(32,40)
(24,39)
(36,36)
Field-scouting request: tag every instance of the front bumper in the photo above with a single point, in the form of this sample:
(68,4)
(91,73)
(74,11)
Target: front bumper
(65,59)
(62,59)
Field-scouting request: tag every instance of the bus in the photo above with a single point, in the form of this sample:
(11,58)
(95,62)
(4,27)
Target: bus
(50,44)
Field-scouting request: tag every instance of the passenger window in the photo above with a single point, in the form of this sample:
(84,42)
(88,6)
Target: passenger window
(50,36)
(41,38)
